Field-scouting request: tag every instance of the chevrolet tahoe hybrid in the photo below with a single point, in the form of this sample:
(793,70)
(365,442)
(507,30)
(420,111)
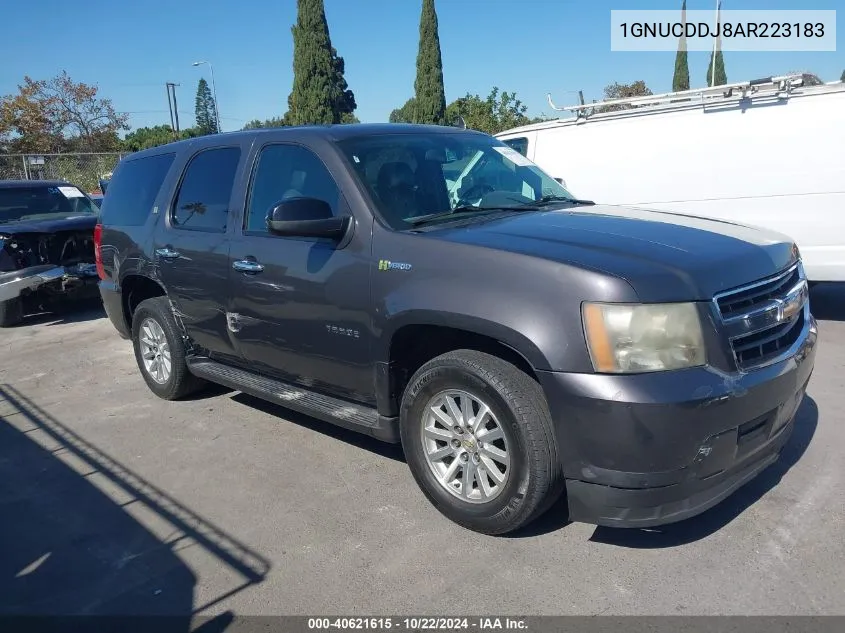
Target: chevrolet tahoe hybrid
(432,286)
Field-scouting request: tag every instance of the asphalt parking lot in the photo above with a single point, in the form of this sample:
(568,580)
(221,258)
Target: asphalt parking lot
(113,501)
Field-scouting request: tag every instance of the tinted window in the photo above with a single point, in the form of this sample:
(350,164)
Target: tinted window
(287,171)
(43,203)
(519,144)
(202,202)
(134,188)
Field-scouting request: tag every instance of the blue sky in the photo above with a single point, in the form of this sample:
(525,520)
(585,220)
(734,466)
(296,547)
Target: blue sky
(130,49)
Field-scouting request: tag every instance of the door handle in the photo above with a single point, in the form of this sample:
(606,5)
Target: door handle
(168,253)
(247,266)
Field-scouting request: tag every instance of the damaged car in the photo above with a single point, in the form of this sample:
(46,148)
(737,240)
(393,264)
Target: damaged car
(46,247)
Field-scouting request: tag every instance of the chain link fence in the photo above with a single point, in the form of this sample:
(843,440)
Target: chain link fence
(82,170)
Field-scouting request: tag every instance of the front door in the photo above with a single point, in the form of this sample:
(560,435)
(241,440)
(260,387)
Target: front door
(300,306)
(192,246)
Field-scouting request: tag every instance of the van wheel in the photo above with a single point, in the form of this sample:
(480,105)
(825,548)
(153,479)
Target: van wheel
(477,435)
(160,351)
(11,312)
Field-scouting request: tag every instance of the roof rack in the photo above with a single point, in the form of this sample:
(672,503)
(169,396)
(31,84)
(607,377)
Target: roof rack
(782,86)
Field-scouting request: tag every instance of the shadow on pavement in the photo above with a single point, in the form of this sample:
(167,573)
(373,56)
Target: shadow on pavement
(719,516)
(827,301)
(71,542)
(554,519)
(391,451)
(72,312)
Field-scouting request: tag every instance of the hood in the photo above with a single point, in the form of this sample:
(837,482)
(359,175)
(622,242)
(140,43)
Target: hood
(49,225)
(664,256)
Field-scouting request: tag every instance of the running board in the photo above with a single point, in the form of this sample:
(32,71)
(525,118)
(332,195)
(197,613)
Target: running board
(348,415)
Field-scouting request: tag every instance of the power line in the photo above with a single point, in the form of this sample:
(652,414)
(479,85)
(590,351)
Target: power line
(182,112)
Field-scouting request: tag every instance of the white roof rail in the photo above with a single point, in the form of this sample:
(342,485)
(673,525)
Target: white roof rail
(781,84)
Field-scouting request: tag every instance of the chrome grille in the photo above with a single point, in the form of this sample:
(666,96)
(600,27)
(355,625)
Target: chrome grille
(763,320)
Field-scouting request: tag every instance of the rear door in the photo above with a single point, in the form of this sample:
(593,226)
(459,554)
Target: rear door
(192,248)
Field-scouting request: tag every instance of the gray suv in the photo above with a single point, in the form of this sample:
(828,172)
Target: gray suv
(432,286)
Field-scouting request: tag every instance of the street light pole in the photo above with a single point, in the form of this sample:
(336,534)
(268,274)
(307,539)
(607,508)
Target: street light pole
(214,91)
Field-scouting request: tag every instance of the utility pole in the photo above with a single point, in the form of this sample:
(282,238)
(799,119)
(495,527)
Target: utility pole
(174,109)
(170,107)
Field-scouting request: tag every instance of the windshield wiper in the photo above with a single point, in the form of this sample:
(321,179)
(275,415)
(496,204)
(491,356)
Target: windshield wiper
(547,200)
(522,206)
(422,219)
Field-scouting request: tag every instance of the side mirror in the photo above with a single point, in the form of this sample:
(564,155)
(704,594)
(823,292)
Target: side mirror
(561,181)
(307,217)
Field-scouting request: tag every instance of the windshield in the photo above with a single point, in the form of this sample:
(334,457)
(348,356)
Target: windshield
(21,204)
(415,175)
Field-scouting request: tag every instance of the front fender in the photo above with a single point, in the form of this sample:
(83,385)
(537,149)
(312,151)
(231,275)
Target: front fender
(503,333)
(531,304)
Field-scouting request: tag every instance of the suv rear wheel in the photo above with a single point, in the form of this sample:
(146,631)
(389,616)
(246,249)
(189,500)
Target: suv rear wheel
(160,351)
(477,435)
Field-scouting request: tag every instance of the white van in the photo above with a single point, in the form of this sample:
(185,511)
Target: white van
(769,153)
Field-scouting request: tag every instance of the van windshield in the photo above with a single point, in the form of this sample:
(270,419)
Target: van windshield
(412,177)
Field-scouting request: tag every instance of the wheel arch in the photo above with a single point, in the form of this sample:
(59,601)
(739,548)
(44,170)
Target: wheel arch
(135,288)
(412,341)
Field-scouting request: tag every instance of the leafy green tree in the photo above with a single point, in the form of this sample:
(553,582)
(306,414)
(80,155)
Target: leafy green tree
(624,91)
(405,114)
(146,137)
(257,124)
(320,94)
(497,113)
(428,86)
(681,79)
(205,109)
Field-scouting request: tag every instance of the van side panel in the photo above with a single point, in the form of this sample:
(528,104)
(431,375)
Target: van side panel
(778,164)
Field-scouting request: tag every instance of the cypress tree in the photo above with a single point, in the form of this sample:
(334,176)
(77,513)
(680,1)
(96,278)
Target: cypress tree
(205,109)
(316,95)
(721,76)
(842,78)
(718,69)
(345,106)
(681,79)
(430,104)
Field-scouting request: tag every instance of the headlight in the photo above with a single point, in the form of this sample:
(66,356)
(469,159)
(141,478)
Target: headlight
(628,339)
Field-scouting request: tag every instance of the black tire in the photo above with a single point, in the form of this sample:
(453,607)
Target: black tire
(181,382)
(11,312)
(535,479)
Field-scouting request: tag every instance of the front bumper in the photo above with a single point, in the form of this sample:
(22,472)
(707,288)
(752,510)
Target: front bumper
(60,279)
(650,449)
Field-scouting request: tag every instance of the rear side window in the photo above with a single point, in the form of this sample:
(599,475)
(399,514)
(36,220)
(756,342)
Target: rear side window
(519,144)
(202,202)
(133,190)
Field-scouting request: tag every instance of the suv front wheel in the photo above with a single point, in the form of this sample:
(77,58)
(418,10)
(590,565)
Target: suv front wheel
(477,435)
(160,351)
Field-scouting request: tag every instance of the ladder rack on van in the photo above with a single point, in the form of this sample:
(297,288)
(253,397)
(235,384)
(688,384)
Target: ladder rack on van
(782,87)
